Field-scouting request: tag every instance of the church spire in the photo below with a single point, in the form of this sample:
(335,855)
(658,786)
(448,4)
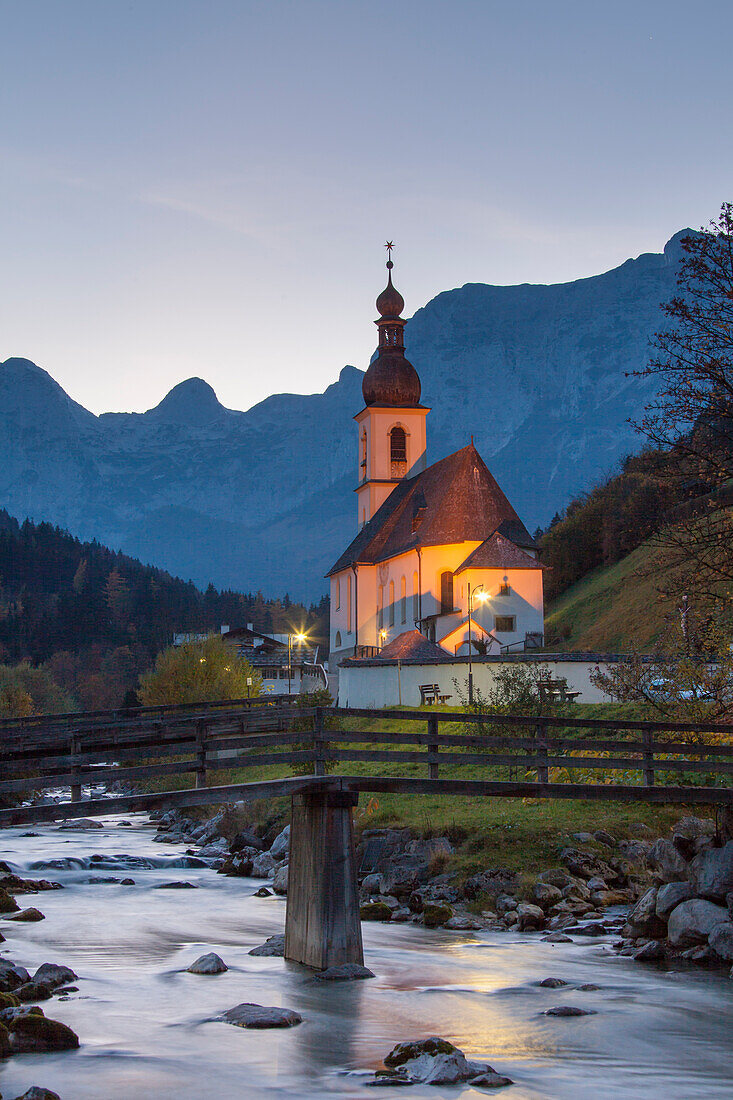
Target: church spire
(391,379)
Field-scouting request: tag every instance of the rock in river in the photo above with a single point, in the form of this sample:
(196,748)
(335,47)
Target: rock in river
(261,1016)
(54,975)
(30,915)
(347,972)
(34,1034)
(434,1061)
(35,1092)
(208,964)
(569,1010)
(693,921)
(274,946)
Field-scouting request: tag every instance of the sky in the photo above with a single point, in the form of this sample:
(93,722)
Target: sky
(204,187)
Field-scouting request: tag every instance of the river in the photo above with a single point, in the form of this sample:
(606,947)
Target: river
(148,1029)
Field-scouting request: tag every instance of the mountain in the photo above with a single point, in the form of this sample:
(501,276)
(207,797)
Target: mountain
(262,499)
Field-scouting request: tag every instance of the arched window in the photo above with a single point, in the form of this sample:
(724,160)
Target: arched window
(398,445)
(415,597)
(391,603)
(380,608)
(337,640)
(338,593)
(363,455)
(348,604)
(446,592)
(403,600)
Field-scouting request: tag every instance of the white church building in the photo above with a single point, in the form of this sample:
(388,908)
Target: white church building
(439,548)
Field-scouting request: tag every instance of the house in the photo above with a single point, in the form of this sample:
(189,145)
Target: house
(286,667)
(439,548)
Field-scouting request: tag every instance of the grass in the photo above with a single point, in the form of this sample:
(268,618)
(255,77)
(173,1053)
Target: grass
(612,607)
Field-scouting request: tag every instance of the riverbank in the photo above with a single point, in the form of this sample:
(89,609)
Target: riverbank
(149,1029)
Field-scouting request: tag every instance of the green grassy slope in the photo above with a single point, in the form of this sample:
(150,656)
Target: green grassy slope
(612,607)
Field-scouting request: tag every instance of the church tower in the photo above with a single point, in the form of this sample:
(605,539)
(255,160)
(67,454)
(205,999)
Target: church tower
(392,435)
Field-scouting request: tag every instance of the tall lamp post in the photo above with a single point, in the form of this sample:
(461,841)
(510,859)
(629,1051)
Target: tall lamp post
(299,638)
(481,595)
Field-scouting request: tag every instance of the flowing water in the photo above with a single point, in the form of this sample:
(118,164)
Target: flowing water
(149,1030)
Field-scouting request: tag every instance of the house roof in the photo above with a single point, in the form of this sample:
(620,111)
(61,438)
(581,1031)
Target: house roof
(455,500)
(498,552)
(411,646)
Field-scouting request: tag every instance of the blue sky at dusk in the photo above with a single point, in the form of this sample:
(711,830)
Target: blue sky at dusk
(205,188)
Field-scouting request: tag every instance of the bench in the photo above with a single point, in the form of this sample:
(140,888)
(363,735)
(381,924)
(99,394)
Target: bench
(556,691)
(430,694)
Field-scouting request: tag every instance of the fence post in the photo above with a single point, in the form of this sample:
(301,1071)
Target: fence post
(201,753)
(319,764)
(648,738)
(75,771)
(543,775)
(433,744)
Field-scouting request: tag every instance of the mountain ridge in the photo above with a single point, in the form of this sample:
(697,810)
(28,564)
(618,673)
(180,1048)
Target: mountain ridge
(539,374)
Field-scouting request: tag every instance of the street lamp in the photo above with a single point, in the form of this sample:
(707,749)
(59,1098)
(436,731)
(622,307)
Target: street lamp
(382,636)
(482,596)
(299,638)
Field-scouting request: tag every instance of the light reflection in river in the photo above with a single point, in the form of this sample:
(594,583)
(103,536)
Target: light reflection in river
(149,1029)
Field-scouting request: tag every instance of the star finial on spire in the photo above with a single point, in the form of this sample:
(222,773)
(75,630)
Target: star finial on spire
(389,246)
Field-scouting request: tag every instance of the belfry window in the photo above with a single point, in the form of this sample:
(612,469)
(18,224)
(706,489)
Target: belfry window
(398,445)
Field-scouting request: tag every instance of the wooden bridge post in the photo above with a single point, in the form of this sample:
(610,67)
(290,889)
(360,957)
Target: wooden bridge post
(543,774)
(433,745)
(76,781)
(201,753)
(648,739)
(319,764)
(322,923)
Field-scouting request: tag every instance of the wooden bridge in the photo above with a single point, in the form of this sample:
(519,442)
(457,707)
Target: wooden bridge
(335,753)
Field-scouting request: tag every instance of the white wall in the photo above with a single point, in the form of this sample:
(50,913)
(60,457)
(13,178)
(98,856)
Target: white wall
(379,686)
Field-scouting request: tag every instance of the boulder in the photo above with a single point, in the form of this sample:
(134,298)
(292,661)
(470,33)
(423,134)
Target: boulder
(8,904)
(82,823)
(569,1010)
(692,921)
(493,881)
(670,895)
(237,866)
(180,885)
(375,910)
(208,964)
(346,972)
(36,1092)
(504,903)
(431,1061)
(711,873)
(557,937)
(545,894)
(29,915)
(720,940)
(576,889)
(274,947)
(33,1034)
(649,951)
(261,1016)
(460,924)
(263,866)
(604,838)
(246,839)
(371,885)
(280,880)
(552,983)
(435,915)
(33,991)
(54,975)
(667,861)
(11,976)
(635,851)
(490,1080)
(530,916)
(281,844)
(643,917)
(263,892)
(555,876)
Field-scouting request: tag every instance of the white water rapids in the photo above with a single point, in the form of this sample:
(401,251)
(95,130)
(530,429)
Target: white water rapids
(149,1030)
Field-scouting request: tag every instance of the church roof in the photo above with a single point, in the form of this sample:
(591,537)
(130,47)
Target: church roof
(455,500)
(411,646)
(498,552)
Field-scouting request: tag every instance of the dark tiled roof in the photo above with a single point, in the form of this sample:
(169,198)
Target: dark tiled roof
(411,646)
(455,500)
(498,553)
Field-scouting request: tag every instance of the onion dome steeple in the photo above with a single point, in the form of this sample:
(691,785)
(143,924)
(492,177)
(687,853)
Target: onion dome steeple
(391,379)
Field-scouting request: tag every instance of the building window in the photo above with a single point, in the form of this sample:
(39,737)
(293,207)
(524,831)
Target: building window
(380,608)
(398,445)
(338,593)
(446,592)
(391,603)
(505,624)
(337,641)
(403,600)
(348,604)
(363,463)
(415,598)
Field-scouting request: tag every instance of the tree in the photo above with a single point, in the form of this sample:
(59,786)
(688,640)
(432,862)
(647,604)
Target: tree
(692,415)
(199,672)
(25,690)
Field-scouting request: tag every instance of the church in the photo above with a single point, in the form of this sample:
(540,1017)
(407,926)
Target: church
(439,548)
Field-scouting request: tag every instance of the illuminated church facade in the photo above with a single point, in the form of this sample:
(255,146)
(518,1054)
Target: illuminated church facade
(434,543)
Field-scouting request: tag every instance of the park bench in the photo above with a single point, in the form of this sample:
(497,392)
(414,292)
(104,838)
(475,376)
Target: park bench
(556,691)
(430,693)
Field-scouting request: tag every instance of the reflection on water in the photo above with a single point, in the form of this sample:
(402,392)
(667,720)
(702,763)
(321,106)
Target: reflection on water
(148,1029)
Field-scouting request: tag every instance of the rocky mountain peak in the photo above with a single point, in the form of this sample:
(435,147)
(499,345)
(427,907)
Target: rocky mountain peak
(192,403)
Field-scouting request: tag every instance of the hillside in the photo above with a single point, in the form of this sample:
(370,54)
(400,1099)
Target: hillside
(611,608)
(263,499)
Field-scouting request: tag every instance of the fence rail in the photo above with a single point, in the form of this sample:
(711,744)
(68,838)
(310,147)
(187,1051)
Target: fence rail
(509,755)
